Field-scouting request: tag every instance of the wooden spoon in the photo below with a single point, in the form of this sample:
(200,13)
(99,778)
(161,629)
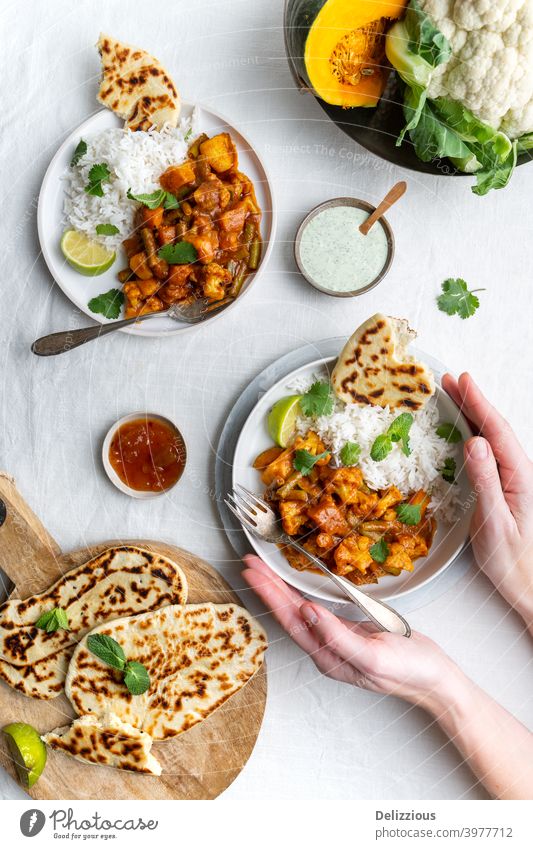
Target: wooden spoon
(391,197)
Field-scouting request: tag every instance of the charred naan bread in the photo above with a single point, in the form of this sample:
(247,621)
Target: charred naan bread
(375,368)
(136,86)
(197,656)
(107,742)
(119,582)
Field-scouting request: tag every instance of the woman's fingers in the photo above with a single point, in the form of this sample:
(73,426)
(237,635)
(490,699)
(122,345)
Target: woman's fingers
(273,595)
(482,472)
(512,460)
(331,633)
(252,561)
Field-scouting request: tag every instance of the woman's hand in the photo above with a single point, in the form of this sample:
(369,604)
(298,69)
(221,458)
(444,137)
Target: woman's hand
(502,476)
(497,747)
(414,669)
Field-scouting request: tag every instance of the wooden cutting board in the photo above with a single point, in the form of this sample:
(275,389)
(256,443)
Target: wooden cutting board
(198,764)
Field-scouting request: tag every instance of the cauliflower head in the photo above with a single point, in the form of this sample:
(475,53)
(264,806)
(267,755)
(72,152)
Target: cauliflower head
(490,70)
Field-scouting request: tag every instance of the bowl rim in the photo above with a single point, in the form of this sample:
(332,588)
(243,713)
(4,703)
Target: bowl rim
(109,470)
(359,203)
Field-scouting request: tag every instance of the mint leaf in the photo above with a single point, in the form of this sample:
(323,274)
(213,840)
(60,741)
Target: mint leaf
(399,431)
(350,454)
(136,678)
(98,174)
(409,514)
(54,620)
(381,448)
(181,253)
(318,400)
(107,229)
(108,304)
(304,461)
(379,551)
(79,153)
(457,299)
(152,201)
(107,649)
(448,470)
(449,432)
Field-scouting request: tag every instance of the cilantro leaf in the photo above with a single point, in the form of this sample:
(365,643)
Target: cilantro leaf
(152,201)
(379,551)
(171,201)
(107,649)
(449,432)
(457,299)
(108,304)
(98,174)
(181,253)
(381,447)
(350,454)
(318,400)
(399,431)
(136,677)
(448,470)
(304,461)
(79,153)
(188,134)
(54,620)
(409,514)
(107,229)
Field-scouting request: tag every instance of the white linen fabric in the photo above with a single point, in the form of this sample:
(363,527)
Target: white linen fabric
(319,739)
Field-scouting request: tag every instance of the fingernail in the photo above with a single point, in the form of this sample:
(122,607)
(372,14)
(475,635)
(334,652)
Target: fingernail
(309,614)
(478,449)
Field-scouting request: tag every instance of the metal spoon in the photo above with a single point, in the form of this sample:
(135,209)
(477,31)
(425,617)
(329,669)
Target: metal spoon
(391,197)
(59,343)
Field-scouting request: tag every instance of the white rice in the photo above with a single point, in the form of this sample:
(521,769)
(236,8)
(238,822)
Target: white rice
(420,470)
(136,160)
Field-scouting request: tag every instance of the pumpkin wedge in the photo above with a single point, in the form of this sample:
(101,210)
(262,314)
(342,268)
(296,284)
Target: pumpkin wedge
(338,46)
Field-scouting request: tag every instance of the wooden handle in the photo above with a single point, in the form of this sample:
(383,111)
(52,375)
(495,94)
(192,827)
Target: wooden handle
(391,197)
(28,554)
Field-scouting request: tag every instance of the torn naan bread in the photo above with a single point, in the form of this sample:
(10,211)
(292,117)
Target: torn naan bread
(106,742)
(119,582)
(375,368)
(197,656)
(136,87)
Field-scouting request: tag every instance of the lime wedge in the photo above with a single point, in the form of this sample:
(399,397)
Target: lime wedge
(282,419)
(85,255)
(28,751)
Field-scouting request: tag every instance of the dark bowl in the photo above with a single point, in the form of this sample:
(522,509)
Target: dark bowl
(377,128)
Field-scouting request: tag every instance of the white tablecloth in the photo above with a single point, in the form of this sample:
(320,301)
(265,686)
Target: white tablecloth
(319,739)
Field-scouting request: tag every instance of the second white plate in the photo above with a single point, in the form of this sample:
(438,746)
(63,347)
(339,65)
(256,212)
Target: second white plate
(448,541)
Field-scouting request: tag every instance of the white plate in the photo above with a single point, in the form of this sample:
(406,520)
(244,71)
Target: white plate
(448,541)
(50,223)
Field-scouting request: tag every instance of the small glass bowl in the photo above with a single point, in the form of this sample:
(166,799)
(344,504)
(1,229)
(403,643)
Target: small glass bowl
(360,204)
(112,475)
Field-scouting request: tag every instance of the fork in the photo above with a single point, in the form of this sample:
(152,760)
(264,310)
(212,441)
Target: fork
(260,520)
(59,343)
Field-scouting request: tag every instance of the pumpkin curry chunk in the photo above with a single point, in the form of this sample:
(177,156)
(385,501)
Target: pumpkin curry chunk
(339,518)
(212,207)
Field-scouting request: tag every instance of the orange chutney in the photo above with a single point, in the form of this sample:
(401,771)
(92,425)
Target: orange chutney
(147,454)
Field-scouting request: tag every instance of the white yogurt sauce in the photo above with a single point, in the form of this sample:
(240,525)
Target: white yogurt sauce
(336,255)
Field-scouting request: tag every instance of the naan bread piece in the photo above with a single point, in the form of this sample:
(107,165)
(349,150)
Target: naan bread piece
(119,582)
(375,368)
(106,742)
(136,87)
(197,656)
